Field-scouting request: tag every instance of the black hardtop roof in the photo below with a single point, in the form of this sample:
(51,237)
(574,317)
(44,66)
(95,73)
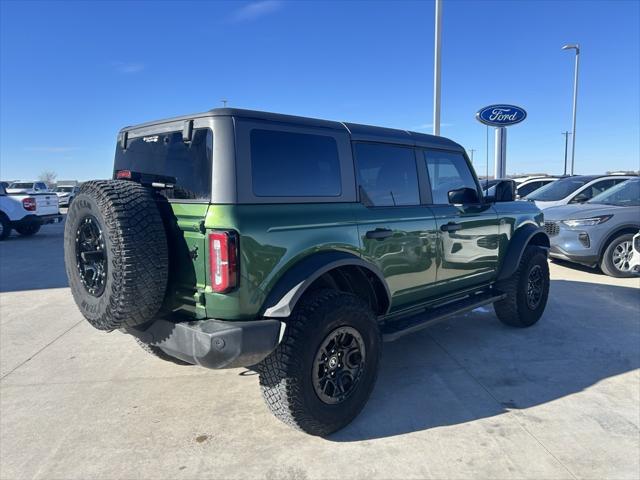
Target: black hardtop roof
(357,131)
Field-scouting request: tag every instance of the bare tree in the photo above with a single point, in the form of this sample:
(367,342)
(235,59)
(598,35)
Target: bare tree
(48,177)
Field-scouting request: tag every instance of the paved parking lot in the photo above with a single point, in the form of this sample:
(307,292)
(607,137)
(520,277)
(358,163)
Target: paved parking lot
(468,398)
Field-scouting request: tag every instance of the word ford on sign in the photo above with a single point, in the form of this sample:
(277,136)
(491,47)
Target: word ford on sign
(501,115)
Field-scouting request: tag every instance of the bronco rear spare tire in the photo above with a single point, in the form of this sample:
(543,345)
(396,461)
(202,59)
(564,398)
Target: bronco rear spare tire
(116,255)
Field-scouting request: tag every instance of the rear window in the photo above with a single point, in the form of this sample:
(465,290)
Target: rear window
(167,158)
(287,164)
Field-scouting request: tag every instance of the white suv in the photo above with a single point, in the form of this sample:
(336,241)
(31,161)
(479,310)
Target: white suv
(576,189)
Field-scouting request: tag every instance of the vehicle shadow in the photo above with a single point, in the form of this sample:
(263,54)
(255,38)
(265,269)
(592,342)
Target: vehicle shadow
(577,266)
(33,263)
(473,367)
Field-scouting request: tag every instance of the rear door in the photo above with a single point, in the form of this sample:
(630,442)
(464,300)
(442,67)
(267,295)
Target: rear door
(397,232)
(468,246)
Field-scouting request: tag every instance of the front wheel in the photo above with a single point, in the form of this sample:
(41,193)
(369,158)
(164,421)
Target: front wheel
(526,291)
(321,374)
(616,260)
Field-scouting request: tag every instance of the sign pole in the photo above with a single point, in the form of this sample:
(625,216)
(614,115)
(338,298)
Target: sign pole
(500,159)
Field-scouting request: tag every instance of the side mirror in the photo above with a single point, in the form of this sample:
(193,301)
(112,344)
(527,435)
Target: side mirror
(505,191)
(462,196)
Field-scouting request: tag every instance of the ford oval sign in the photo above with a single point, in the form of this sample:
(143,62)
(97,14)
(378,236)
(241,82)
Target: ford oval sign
(501,115)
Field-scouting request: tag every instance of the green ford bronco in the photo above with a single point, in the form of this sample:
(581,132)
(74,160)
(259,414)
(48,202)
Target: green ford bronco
(296,246)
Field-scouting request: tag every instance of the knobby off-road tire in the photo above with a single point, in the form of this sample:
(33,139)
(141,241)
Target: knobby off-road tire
(616,257)
(116,254)
(527,290)
(287,375)
(28,230)
(5,227)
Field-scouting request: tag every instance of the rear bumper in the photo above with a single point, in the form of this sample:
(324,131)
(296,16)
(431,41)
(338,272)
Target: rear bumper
(39,219)
(214,343)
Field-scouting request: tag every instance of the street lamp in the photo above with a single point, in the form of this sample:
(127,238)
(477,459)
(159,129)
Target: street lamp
(436,69)
(575,47)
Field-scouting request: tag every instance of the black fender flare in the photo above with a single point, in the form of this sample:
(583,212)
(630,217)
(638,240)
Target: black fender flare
(522,237)
(283,297)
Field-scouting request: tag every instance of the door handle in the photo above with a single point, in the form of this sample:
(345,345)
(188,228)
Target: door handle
(450,227)
(379,233)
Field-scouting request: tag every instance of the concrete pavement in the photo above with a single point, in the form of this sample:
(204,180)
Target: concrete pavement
(468,398)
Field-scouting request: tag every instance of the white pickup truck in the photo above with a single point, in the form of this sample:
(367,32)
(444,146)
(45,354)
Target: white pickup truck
(26,212)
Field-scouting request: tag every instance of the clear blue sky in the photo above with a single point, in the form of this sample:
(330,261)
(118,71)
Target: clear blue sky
(73,73)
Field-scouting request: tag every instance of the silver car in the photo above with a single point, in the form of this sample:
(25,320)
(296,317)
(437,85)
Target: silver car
(599,232)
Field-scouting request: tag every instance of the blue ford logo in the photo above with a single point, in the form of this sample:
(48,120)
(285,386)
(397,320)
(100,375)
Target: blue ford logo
(501,115)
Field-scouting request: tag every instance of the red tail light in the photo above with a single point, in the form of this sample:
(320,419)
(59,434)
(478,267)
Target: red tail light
(223,261)
(29,204)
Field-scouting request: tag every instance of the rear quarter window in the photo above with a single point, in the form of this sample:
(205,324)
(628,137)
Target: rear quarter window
(288,164)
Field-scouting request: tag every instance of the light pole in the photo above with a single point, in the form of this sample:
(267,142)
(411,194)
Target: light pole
(575,47)
(566,143)
(436,70)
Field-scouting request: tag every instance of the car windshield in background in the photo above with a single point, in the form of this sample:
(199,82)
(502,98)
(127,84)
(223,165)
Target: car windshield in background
(625,194)
(559,189)
(21,185)
(64,189)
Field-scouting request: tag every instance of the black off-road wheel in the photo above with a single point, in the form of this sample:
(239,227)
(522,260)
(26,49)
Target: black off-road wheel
(5,227)
(116,255)
(28,230)
(323,371)
(616,259)
(526,291)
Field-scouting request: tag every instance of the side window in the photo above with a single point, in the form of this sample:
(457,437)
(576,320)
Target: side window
(447,171)
(528,188)
(287,164)
(593,190)
(387,175)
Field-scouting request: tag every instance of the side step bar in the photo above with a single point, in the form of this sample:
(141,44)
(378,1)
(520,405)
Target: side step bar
(399,328)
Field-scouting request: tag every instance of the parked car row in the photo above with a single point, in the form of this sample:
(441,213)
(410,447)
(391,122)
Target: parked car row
(598,232)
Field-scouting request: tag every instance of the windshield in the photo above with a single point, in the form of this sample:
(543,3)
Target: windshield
(625,194)
(64,189)
(21,185)
(559,189)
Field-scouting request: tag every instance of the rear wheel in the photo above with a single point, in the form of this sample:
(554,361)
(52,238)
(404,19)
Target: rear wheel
(5,227)
(321,374)
(526,291)
(28,230)
(616,260)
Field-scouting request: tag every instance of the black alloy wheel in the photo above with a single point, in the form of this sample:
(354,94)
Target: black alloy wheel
(91,257)
(338,365)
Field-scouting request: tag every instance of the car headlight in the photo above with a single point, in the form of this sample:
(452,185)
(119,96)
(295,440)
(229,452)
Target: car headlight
(586,222)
